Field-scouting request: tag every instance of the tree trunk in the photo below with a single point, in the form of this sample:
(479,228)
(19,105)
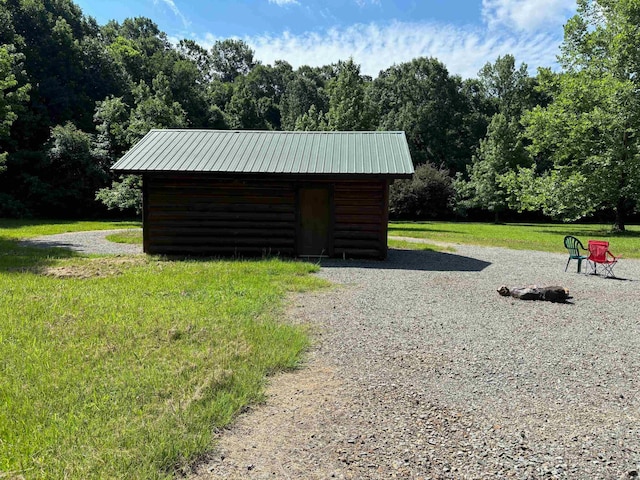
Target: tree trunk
(621,215)
(621,205)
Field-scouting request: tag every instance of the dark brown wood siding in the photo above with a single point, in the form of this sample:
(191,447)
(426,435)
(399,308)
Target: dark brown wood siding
(220,217)
(360,229)
(193,214)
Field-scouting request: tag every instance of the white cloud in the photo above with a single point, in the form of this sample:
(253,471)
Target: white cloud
(527,15)
(284,2)
(463,50)
(176,11)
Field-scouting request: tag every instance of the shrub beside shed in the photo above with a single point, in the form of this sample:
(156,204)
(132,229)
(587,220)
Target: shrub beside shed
(252,193)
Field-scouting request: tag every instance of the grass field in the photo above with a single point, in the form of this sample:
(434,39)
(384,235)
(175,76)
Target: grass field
(121,367)
(15,229)
(543,237)
(408,245)
(131,237)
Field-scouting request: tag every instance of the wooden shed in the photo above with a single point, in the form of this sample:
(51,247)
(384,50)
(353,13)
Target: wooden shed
(252,193)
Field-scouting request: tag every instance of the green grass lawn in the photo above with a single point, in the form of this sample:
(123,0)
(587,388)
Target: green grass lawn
(121,367)
(133,237)
(408,245)
(32,228)
(543,237)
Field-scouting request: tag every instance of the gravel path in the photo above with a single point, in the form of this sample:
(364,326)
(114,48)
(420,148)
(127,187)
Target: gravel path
(86,242)
(421,370)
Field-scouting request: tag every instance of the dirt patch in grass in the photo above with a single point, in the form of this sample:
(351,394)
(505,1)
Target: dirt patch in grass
(298,432)
(290,436)
(91,268)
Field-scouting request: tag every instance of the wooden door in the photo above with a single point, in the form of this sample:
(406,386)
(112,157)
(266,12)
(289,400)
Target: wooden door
(314,226)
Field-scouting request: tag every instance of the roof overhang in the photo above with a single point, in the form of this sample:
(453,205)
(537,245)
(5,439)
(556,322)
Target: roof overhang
(269,153)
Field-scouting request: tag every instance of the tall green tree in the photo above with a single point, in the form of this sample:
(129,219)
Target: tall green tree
(243,110)
(12,95)
(69,68)
(73,172)
(421,98)
(510,91)
(501,152)
(231,58)
(199,55)
(349,107)
(65,63)
(588,133)
(509,88)
(188,88)
(112,119)
(312,121)
(300,95)
(141,49)
(257,97)
(154,108)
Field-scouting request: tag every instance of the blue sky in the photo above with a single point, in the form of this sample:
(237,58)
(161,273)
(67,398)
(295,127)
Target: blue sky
(463,34)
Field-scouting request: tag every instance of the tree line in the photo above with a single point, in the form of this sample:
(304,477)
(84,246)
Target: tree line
(75,96)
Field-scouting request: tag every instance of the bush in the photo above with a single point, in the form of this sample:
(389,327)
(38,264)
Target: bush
(123,195)
(12,208)
(427,195)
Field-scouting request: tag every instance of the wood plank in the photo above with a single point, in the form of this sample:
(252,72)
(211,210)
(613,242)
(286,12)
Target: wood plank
(222,241)
(186,199)
(353,235)
(358,227)
(359,201)
(342,211)
(214,224)
(214,208)
(194,232)
(358,219)
(219,251)
(271,189)
(242,216)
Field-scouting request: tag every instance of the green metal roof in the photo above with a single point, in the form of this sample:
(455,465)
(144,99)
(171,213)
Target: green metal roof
(305,153)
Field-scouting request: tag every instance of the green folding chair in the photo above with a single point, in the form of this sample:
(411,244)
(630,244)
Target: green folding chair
(574,246)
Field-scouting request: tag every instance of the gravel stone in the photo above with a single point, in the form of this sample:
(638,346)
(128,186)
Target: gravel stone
(86,242)
(421,370)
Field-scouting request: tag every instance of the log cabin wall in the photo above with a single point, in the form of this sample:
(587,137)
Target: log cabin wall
(361,216)
(202,215)
(191,215)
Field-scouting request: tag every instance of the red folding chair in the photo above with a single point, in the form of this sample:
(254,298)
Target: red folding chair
(599,254)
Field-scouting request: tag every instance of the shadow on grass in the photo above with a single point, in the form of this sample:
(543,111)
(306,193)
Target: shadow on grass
(416,260)
(18,258)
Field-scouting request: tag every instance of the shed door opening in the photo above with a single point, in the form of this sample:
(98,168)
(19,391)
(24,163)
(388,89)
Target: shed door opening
(315,219)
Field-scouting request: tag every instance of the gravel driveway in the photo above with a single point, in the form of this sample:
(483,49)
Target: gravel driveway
(421,370)
(86,242)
